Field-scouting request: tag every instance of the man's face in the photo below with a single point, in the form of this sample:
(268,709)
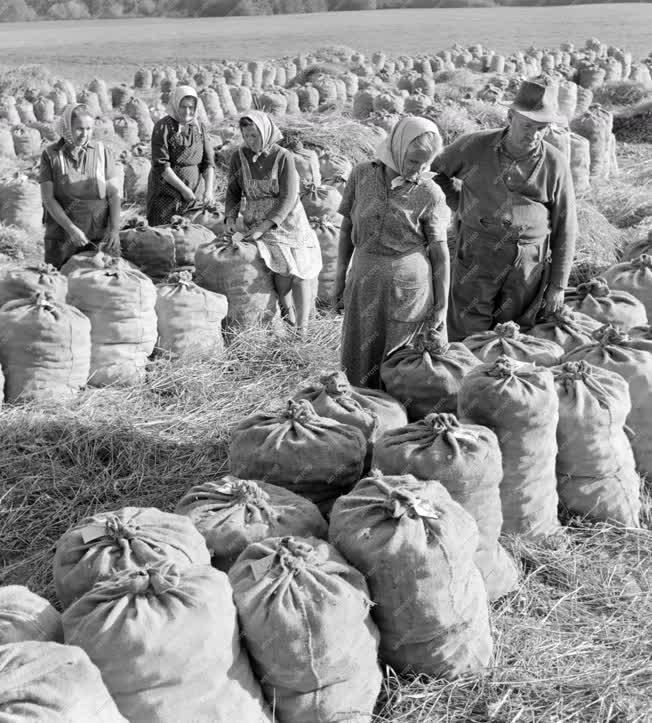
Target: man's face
(526,134)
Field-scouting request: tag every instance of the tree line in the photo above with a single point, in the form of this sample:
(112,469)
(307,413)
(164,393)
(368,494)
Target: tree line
(25,10)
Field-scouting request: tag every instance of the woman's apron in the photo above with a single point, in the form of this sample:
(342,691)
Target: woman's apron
(260,198)
(90,215)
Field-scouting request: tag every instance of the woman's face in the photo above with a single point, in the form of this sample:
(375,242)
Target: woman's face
(416,162)
(82,130)
(187,109)
(252,138)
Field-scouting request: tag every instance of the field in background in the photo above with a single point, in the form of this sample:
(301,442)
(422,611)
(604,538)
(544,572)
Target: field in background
(114,48)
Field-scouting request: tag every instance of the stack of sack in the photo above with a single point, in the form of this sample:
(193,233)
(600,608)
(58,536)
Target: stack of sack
(518,402)
(415,546)
(137,586)
(426,374)
(313,456)
(597,299)
(236,270)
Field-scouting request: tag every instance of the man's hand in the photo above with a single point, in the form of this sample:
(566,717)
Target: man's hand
(188,194)
(110,243)
(553,299)
(77,238)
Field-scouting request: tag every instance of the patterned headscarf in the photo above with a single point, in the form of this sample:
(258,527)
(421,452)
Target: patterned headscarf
(393,150)
(267,129)
(65,127)
(181,92)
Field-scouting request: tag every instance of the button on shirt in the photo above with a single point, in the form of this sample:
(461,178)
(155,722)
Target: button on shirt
(394,221)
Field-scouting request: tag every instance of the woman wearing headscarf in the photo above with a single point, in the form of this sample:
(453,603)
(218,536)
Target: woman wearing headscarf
(264,175)
(80,191)
(394,237)
(181,155)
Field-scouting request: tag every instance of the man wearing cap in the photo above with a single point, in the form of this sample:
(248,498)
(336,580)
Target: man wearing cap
(515,217)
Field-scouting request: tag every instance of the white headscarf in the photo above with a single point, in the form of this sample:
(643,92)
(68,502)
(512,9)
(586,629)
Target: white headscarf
(393,150)
(269,133)
(64,127)
(181,92)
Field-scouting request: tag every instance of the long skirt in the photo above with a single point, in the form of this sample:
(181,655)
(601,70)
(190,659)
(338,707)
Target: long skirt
(386,300)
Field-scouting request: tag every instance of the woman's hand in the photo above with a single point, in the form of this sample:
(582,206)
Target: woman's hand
(110,244)
(553,299)
(257,231)
(208,199)
(229,226)
(188,194)
(338,294)
(77,238)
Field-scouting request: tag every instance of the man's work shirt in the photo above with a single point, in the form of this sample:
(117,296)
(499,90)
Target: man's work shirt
(525,199)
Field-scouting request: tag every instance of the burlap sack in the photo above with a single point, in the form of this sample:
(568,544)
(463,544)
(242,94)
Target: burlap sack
(166,641)
(327,230)
(313,456)
(372,412)
(20,202)
(120,303)
(506,339)
(632,359)
(596,472)
(54,683)
(136,174)
(313,645)
(641,332)
(607,306)
(45,349)
(320,200)
(232,513)
(467,461)
(237,270)
(635,278)
(519,403)
(415,546)
(98,547)
(24,615)
(188,237)
(568,329)
(94,260)
(189,318)
(22,283)
(335,168)
(150,248)
(426,375)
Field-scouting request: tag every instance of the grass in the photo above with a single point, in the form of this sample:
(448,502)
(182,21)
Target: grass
(572,644)
(115,48)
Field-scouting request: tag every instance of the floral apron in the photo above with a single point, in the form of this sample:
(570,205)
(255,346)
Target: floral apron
(260,196)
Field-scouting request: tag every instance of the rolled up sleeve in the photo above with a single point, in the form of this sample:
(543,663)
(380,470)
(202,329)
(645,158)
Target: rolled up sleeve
(436,219)
(288,189)
(208,159)
(160,149)
(563,232)
(348,197)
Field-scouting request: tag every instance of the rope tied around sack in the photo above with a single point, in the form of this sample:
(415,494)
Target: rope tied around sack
(562,316)
(158,579)
(138,223)
(179,222)
(597,287)
(402,502)
(324,223)
(249,494)
(584,372)
(181,278)
(442,422)
(575,370)
(294,555)
(508,330)
(44,301)
(335,384)
(300,410)
(608,334)
(45,269)
(504,366)
(642,262)
(116,530)
(431,340)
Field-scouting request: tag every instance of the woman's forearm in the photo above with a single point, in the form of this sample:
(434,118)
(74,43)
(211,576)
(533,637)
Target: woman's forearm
(345,250)
(169,176)
(114,208)
(440,262)
(209,180)
(55,210)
